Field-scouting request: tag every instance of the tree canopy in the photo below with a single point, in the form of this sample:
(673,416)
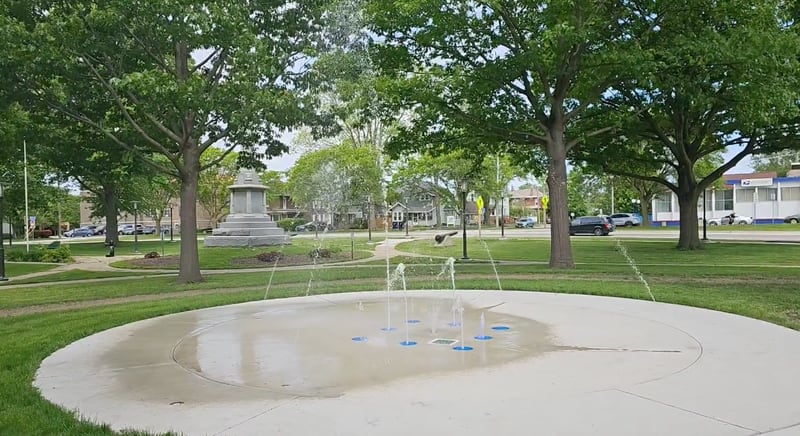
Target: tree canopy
(182,75)
(503,76)
(718,76)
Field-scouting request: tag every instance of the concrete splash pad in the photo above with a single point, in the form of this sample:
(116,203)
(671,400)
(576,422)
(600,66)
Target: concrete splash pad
(568,364)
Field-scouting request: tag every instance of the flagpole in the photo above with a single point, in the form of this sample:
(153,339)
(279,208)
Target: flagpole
(25,175)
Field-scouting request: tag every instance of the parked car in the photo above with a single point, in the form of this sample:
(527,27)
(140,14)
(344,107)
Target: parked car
(594,225)
(626,219)
(610,221)
(99,230)
(528,222)
(82,232)
(148,230)
(312,226)
(730,219)
(792,219)
(127,229)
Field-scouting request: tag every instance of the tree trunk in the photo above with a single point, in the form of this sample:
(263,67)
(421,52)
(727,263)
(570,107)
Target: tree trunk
(645,211)
(189,259)
(110,206)
(560,245)
(687,202)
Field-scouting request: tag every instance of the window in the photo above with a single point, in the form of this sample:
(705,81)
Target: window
(743,195)
(790,194)
(664,203)
(424,197)
(723,200)
(767,194)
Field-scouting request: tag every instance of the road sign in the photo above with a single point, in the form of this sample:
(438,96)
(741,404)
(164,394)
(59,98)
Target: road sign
(479,203)
(545,202)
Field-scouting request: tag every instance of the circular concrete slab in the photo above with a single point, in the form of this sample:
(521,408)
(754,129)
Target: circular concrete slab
(566,364)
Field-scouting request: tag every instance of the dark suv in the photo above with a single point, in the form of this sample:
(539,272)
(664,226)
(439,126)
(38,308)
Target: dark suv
(593,225)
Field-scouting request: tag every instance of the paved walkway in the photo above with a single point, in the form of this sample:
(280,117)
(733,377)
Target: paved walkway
(102,263)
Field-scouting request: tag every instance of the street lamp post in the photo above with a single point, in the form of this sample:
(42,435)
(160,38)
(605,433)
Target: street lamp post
(705,223)
(135,227)
(502,216)
(369,218)
(463,187)
(3,277)
(170,223)
(405,218)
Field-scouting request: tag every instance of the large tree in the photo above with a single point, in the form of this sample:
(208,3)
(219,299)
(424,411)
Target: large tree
(213,193)
(183,75)
(483,74)
(336,179)
(780,162)
(719,76)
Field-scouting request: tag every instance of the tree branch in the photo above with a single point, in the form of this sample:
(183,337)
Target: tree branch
(121,105)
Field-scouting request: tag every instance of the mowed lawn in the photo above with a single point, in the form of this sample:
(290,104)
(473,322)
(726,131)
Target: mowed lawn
(755,280)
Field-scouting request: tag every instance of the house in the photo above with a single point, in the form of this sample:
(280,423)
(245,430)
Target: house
(528,202)
(426,210)
(282,207)
(421,210)
(763,196)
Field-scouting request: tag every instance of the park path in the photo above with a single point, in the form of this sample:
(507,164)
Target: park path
(382,250)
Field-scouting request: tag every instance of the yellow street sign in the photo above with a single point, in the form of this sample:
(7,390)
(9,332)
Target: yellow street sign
(545,202)
(479,203)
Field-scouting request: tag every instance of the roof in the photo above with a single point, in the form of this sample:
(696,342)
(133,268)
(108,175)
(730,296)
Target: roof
(761,175)
(526,193)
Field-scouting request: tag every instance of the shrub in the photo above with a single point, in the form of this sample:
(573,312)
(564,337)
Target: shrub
(34,255)
(58,255)
(272,256)
(289,224)
(152,255)
(38,254)
(320,253)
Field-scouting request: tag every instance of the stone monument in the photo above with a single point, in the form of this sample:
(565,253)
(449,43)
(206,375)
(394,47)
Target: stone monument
(248,224)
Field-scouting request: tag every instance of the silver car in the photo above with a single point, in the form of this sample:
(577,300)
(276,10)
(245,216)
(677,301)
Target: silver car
(626,220)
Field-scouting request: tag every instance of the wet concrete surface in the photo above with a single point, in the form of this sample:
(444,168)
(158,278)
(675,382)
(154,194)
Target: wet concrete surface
(568,365)
(310,350)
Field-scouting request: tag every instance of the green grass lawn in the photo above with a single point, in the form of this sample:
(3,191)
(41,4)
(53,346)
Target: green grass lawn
(78,274)
(605,250)
(781,227)
(755,280)
(16,269)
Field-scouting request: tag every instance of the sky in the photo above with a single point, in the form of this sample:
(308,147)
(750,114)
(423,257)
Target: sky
(286,161)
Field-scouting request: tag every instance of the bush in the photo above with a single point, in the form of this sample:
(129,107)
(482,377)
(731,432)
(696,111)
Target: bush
(152,255)
(272,256)
(58,255)
(42,233)
(289,224)
(320,253)
(38,254)
(357,225)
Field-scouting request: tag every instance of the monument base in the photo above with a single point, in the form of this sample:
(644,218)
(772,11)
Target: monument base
(246,241)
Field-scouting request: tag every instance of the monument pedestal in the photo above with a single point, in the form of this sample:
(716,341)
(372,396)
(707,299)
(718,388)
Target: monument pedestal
(248,224)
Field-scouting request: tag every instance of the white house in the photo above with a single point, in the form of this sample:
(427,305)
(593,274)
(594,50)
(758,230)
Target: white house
(763,196)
